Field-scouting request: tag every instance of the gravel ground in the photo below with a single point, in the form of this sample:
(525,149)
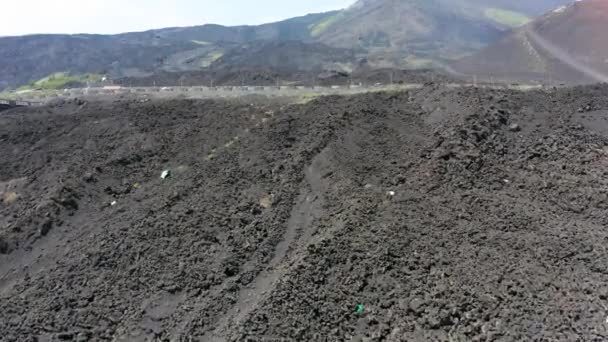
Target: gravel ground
(435,214)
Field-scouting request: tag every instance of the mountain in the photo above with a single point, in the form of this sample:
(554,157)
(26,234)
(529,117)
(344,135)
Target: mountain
(385,33)
(29,58)
(568,44)
(410,33)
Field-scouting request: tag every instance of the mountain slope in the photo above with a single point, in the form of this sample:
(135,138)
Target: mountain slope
(388,33)
(566,45)
(287,55)
(29,58)
(431,30)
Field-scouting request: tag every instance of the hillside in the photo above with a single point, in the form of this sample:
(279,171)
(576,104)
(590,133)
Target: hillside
(30,58)
(410,33)
(288,55)
(387,33)
(568,44)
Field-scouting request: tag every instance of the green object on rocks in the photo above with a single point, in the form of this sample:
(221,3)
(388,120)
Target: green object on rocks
(359,309)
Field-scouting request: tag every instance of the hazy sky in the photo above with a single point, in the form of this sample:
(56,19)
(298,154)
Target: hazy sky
(114,16)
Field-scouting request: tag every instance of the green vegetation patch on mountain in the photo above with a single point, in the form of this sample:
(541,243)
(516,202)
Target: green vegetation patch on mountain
(59,80)
(506,17)
(321,26)
(7,95)
(415,62)
(211,57)
(201,42)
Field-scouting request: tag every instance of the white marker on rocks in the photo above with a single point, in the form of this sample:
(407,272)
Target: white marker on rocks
(514,128)
(165,174)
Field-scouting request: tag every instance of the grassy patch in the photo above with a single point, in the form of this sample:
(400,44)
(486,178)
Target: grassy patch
(414,62)
(346,67)
(59,81)
(7,95)
(201,42)
(321,26)
(9,198)
(507,18)
(211,57)
(306,97)
(525,87)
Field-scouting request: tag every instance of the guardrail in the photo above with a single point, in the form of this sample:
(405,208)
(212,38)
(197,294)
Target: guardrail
(19,103)
(37,98)
(120,90)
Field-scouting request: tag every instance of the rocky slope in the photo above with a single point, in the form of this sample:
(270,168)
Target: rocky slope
(565,45)
(436,214)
